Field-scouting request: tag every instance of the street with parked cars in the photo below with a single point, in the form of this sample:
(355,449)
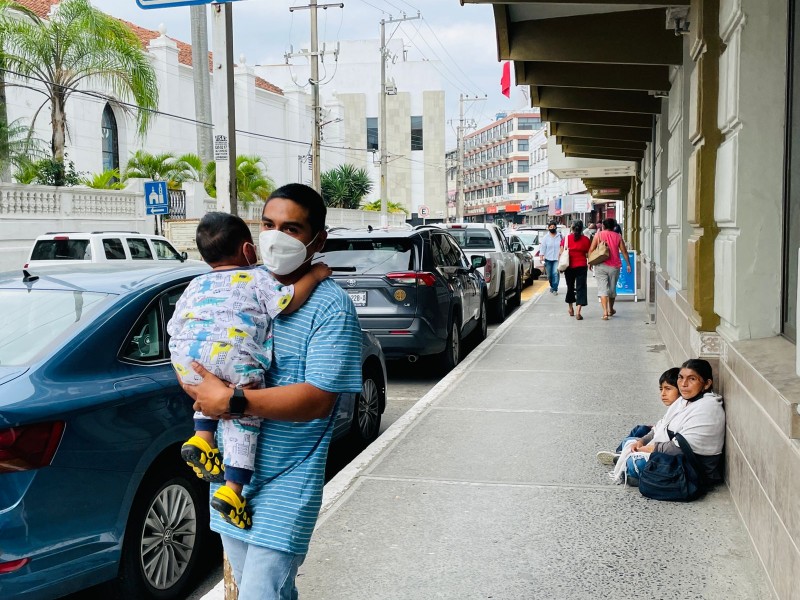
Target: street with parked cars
(90,404)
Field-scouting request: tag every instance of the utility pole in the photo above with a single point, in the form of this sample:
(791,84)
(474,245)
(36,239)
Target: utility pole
(382,123)
(202,82)
(314,81)
(225,121)
(462,127)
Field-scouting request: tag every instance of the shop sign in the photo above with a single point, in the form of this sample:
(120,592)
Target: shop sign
(513,208)
(491,210)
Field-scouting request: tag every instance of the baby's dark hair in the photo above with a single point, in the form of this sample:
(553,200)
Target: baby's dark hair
(220,236)
(670,376)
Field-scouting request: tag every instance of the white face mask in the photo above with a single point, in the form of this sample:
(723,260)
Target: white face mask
(282,254)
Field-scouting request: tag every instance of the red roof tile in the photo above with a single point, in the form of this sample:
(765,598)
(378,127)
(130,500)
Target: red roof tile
(42,9)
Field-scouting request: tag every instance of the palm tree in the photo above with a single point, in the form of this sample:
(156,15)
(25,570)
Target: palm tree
(107,180)
(78,45)
(252,181)
(345,186)
(164,167)
(391,207)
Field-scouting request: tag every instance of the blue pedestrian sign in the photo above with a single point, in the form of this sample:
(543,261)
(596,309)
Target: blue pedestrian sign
(147,4)
(626,284)
(156,198)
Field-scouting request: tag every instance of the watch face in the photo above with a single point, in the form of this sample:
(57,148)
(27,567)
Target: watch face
(237,402)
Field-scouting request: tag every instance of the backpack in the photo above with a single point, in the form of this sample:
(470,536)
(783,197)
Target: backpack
(673,477)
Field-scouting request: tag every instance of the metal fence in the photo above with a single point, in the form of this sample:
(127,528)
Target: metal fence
(177,204)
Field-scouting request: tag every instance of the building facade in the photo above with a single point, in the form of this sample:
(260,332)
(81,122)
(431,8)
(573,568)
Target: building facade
(702,97)
(497,167)
(415,120)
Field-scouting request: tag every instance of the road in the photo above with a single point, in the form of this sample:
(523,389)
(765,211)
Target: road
(407,383)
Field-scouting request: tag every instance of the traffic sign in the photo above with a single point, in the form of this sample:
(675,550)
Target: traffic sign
(156,198)
(147,4)
(423,211)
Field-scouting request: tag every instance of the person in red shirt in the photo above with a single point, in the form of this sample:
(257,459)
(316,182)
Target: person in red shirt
(577,245)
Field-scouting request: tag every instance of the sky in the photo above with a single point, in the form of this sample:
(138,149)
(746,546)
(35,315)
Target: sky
(462,38)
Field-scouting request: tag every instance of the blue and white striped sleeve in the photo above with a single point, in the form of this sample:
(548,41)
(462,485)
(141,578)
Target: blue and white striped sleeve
(333,361)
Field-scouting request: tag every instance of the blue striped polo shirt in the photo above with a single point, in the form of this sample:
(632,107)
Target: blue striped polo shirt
(319,344)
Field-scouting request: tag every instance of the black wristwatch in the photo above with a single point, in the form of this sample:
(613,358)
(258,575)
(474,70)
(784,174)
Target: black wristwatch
(237,403)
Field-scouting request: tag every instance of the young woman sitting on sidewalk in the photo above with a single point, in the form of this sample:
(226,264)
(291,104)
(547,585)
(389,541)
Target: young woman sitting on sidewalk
(698,415)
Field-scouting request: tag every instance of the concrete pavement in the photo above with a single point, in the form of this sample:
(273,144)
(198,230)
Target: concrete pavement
(489,488)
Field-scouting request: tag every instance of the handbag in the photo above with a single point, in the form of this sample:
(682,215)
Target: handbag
(673,477)
(600,254)
(563,258)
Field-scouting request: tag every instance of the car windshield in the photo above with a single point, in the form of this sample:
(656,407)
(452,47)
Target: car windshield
(473,238)
(529,238)
(32,320)
(369,256)
(61,249)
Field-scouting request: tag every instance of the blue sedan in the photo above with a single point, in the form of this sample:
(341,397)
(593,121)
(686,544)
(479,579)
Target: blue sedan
(92,488)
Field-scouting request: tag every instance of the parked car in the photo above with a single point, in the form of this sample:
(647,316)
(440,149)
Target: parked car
(525,256)
(415,290)
(503,271)
(101,247)
(92,487)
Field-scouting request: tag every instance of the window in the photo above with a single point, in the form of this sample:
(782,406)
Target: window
(145,343)
(416,133)
(523,166)
(371,256)
(164,251)
(523,187)
(791,201)
(522,145)
(114,249)
(372,133)
(510,187)
(139,249)
(527,123)
(445,254)
(62,249)
(110,137)
(498,190)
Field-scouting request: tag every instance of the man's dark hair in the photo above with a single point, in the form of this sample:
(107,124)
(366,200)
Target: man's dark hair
(306,197)
(220,236)
(609,224)
(670,376)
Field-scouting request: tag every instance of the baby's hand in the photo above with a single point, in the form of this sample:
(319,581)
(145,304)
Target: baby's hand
(321,271)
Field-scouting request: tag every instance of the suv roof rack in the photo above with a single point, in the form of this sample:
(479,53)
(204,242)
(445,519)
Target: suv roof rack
(117,231)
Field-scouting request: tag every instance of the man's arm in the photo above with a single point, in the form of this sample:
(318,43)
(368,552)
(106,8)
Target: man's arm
(294,402)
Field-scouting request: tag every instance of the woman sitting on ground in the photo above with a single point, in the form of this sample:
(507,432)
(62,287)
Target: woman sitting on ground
(699,417)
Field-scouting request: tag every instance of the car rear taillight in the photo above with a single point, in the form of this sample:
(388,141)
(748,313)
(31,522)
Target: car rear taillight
(61,237)
(29,446)
(412,277)
(13,565)
(487,272)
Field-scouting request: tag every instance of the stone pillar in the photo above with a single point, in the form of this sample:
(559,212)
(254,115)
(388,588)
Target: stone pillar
(705,138)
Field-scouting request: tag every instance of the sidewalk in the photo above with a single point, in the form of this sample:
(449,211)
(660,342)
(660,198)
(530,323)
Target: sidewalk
(489,487)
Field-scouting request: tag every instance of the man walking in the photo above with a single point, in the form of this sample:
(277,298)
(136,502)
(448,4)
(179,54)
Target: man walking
(316,356)
(549,250)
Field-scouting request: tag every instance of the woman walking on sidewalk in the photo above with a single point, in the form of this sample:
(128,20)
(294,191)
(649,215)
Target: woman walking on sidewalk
(607,273)
(549,251)
(578,246)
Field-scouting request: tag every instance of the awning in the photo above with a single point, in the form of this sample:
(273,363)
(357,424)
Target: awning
(598,70)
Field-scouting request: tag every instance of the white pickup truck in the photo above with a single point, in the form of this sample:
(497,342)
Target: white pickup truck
(503,270)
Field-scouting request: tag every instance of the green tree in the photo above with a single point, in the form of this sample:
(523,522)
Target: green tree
(107,180)
(252,181)
(345,186)
(47,171)
(78,46)
(18,147)
(164,167)
(392,207)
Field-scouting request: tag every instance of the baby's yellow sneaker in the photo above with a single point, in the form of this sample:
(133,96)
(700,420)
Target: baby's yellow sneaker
(205,460)
(232,508)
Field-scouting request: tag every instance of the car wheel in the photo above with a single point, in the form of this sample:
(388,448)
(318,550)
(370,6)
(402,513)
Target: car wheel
(167,531)
(452,351)
(516,299)
(482,326)
(499,303)
(366,422)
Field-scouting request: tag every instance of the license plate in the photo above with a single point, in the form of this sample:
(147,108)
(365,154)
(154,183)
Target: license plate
(358,298)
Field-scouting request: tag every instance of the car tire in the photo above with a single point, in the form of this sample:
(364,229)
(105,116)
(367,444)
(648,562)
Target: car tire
(482,326)
(498,306)
(366,423)
(451,355)
(516,299)
(169,511)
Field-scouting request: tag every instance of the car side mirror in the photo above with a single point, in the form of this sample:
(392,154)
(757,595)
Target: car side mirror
(478,261)
(531,248)
(184,256)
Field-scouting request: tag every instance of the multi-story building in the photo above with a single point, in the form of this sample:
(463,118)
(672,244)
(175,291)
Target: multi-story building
(351,118)
(497,167)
